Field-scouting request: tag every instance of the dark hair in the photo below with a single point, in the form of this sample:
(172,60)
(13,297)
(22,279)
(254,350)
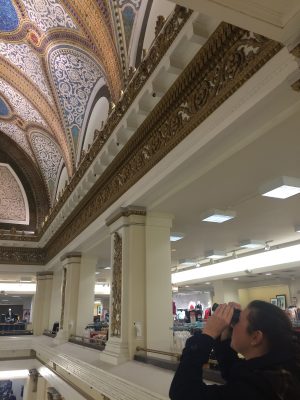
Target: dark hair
(275,325)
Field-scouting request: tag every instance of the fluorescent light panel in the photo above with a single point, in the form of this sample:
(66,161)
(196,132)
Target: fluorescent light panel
(175,236)
(281,188)
(215,254)
(251,244)
(218,216)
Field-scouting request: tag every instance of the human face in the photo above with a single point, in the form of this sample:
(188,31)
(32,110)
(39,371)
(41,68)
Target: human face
(241,339)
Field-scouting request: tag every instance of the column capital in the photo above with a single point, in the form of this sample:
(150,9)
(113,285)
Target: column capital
(126,216)
(70,257)
(44,275)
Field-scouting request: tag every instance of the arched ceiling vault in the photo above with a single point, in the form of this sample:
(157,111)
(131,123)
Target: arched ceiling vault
(34,82)
(55,56)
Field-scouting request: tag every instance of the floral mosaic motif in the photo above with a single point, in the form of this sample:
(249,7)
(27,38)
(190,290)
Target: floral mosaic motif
(75,75)
(4,110)
(21,105)
(48,14)
(48,156)
(9,20)
(17,135)
(135,3)
(12,205)
(23,57)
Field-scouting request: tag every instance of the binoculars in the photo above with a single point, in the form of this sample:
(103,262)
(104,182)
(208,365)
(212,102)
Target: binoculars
(235,317)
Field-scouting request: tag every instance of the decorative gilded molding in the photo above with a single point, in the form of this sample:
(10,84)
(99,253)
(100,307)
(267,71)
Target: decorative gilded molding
(229,58)
(17,255)
(116,291)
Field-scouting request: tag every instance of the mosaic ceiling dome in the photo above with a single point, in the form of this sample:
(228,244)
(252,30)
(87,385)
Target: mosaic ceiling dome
(54,56)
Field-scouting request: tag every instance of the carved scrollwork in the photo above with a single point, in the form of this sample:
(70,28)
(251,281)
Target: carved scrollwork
(11,255)
(116,288)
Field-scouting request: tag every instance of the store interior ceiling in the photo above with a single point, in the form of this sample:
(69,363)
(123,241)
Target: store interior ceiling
(227,173)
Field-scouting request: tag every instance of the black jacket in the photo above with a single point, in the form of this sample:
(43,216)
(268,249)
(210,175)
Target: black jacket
(274,376)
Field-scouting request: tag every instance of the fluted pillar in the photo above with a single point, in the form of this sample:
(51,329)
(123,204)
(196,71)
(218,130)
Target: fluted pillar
(41,308)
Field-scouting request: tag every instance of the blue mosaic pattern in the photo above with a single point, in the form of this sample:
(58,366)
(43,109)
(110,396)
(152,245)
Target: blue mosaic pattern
(75,75)
(4,111)
(128,21)
(9,20)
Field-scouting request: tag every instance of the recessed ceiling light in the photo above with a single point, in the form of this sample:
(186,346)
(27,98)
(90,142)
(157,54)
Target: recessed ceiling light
(173,249)
(207,283)
(107,268)
(215,254)
(186,285)
(251,244)
(176,236)
(218,216)
(269,273)
(97,273)
(236,279)
(281,188)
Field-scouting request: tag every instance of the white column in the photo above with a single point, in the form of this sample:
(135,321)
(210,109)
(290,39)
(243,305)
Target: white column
(41,393)
(159,317)
(41,302)
(30,387)
(141,296)
(86,293)
(70,286)
(55,309)
(225,291)
(127,298)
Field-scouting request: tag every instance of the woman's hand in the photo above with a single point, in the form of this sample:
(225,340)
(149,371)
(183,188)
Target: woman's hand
(219,321)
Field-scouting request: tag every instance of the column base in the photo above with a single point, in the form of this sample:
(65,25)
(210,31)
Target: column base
(115,352)
(61,337)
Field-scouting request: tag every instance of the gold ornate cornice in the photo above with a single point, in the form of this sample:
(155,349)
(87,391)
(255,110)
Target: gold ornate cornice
(21,255)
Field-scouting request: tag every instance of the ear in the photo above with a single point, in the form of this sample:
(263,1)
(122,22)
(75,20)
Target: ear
(257,338)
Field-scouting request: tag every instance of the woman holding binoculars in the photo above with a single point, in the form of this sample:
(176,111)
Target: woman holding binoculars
(263,335)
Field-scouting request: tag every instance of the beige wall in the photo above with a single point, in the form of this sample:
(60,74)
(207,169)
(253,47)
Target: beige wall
(263,293)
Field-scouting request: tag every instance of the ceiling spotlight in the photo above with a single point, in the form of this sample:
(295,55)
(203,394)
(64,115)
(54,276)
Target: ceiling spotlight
(218,216)
(251,244)
(207,283)
(176,236)
(215,254)
(281,188)
(269,273)
(236,279)
(107,268)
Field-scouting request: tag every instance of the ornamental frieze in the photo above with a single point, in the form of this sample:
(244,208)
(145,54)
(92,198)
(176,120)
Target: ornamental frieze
(14,255)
